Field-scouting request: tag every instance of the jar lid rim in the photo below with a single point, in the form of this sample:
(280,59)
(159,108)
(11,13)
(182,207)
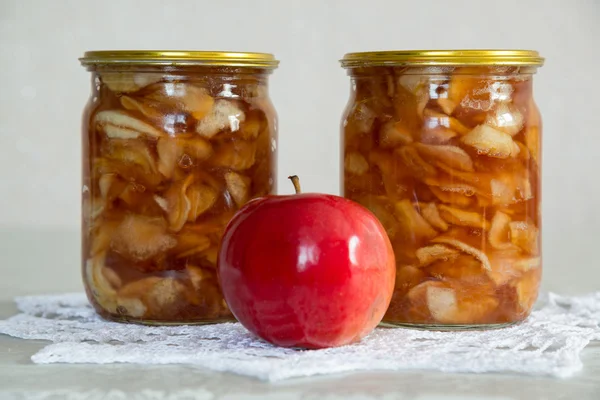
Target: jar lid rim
(180,57)
(443,57)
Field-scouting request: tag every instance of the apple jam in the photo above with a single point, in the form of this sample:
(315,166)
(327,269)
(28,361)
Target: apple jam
(447,156)
(173,144)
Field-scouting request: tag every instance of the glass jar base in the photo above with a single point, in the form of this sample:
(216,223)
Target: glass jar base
(126,320)
(447,327)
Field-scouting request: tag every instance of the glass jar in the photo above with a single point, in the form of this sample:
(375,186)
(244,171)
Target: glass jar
(444,148)
(173,144)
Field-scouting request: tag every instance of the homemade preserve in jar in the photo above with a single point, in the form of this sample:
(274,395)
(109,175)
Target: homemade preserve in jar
(174,142)
(444,148)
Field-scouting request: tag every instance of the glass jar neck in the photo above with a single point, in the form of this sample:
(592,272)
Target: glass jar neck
(191,72)
(230,82)
(489,72)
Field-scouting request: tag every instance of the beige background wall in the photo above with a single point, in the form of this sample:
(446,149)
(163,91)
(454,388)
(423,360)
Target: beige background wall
(43,89)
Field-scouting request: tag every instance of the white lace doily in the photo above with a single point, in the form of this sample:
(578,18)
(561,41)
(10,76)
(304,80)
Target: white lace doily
(548,343)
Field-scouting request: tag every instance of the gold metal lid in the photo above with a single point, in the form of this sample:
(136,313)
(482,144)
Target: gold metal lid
(179,58)
(443,57)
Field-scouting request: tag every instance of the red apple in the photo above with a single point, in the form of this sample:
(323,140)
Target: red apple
(306,270)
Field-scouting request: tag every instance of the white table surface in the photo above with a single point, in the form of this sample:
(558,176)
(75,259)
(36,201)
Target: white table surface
(47,262)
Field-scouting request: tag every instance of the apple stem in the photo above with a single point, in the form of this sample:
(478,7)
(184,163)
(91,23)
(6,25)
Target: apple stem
(296,181)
